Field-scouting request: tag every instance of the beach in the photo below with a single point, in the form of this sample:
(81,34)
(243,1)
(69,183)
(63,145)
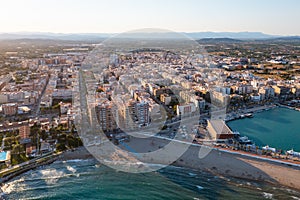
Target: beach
(78,153)
(220,173)
(217,161)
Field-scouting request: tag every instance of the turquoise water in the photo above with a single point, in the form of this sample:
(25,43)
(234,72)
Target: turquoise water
(278,128)
(3,155)
(86,179)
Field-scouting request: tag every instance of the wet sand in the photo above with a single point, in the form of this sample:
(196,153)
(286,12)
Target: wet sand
(228,164)
(216,162)
(78,153)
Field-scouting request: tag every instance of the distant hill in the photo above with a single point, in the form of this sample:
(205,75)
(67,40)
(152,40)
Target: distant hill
(169,35)
(219,40)
(53,36)
(235,35)
(287,38)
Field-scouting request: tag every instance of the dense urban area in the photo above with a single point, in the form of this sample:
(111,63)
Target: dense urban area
(38,79)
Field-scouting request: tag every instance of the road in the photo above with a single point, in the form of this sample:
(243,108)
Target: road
(37,112)
(2,145)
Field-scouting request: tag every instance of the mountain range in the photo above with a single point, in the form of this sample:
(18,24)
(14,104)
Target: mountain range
(171,35)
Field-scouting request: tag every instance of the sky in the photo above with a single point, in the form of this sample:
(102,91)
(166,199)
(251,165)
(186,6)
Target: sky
(279,17)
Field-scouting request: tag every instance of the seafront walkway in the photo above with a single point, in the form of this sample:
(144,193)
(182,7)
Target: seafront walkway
(15,170)
(261,157)
(235,152)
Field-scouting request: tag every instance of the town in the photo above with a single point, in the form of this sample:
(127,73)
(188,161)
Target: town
(137,90)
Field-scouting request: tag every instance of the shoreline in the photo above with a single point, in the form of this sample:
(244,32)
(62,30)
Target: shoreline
(227,164)
(233,115)
(268,136)
(218,162)
(78,153)
(9,173)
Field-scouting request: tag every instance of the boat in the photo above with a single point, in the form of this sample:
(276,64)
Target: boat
(244,140)
(249,115)
(267,148)
(236,133)
(293,153)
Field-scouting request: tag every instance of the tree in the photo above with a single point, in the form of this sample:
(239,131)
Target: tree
(17,149)
(43,135)
(60,147)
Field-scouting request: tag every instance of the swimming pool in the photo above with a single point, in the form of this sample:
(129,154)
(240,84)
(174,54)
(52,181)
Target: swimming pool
(3,156)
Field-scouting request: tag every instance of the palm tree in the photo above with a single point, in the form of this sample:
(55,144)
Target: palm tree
(18,149)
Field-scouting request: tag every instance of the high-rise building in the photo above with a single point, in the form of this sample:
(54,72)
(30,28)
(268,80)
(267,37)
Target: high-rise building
(134,114)
(107,116)
(142,113)
(24,131)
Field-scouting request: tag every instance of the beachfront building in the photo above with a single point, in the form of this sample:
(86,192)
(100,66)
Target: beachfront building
(134,114)
(243,89)
(281,90)
(218,130)
(142,113)
(267,92)
(106,114)
(219,98)
(127,116)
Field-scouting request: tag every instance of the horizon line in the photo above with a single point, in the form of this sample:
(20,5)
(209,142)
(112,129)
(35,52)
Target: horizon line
(132,31)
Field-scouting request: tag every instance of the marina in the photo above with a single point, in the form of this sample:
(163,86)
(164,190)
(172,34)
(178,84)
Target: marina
(277,128)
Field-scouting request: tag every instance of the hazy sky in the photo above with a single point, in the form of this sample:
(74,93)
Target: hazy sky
(83,16)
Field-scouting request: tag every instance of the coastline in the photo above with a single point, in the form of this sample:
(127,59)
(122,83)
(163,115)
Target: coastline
(9,173)
(232,116)
(218,162)
(78,153)
(226,164)
(276,128)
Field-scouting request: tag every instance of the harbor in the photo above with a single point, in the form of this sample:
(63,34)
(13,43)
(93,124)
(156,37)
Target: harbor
(248,113)
(275,128)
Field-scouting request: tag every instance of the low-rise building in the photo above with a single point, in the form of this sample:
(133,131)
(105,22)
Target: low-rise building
(185,109)
(219,130)
(165,98)
(10,109)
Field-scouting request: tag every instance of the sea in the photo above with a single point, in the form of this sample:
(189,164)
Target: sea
(278,128)
(89,179)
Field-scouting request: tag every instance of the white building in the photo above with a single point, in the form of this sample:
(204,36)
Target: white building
(185,109)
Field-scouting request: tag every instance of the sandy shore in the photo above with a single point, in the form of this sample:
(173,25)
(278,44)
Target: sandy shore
(79,153)
(216,162)
(240,166)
